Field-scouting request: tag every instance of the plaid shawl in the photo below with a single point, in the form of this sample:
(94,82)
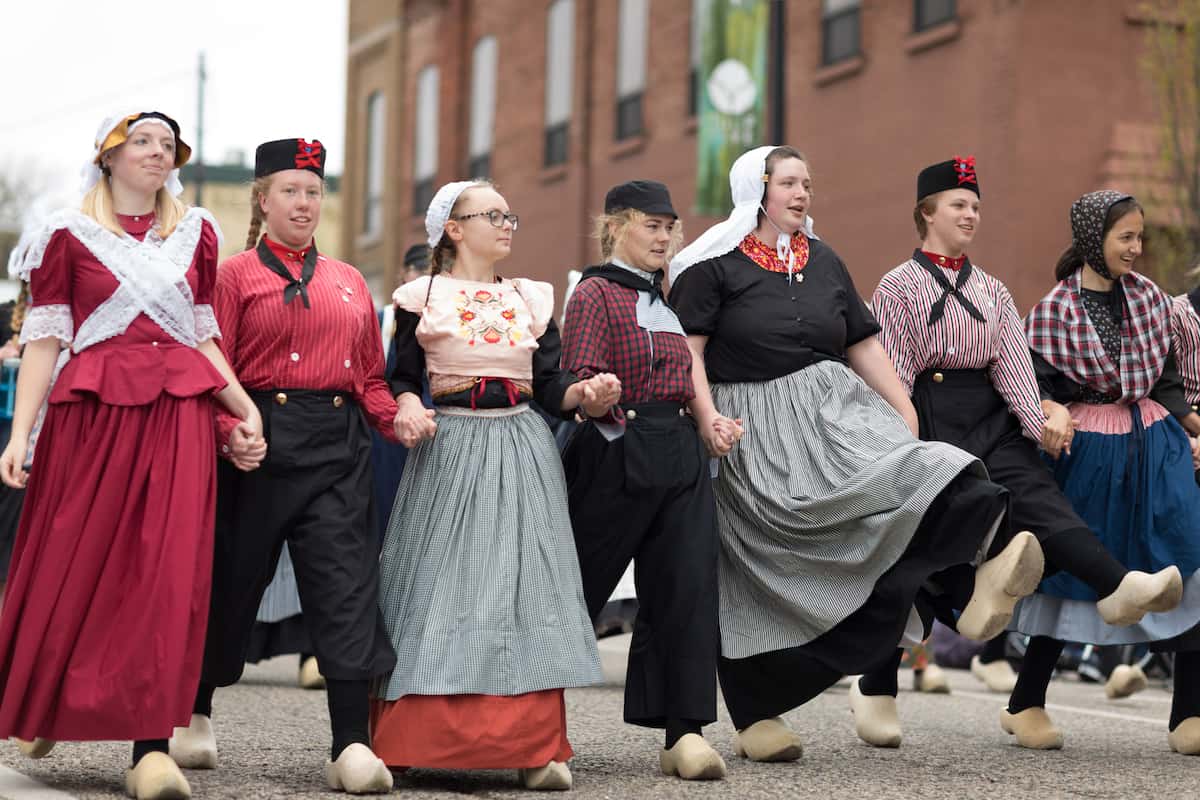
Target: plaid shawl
(1058,329)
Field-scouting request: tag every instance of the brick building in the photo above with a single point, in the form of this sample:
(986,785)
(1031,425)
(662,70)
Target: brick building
(1048,95)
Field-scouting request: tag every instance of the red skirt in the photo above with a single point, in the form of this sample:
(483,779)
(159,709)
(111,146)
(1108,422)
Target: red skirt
(102,629)
(471,731)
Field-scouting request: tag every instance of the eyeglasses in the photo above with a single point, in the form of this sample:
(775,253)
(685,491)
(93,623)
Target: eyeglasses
(497,218)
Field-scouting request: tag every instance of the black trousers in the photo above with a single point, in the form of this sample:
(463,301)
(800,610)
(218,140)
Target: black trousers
(314,491)
(948,538)
(647,497)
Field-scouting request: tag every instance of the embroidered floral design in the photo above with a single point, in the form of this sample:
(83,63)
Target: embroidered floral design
(483,315)
(765,256)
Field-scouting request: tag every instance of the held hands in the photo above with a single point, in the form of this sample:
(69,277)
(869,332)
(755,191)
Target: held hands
(12,462)
(1195,453)
(1058,431)
(247,447)
(721,434)
(413,421)
(599,393)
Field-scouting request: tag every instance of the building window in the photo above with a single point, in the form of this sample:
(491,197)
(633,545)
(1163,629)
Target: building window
(840,30)
(372,220)
(483,107)
(927,13)
(631,66)
(699,12)
(560,62)
(425,139)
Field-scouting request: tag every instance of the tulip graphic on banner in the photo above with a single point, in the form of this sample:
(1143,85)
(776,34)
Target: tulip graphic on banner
(731,94)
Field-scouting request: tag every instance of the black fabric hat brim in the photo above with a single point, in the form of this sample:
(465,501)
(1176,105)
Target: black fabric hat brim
(649,197)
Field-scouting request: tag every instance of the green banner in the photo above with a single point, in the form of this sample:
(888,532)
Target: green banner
(732,94)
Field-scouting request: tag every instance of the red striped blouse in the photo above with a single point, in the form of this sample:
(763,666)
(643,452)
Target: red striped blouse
(334,346)
(902,303)
(1185,338)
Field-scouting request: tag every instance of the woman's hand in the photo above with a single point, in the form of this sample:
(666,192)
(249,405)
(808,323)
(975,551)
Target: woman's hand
(413,421)
(720,434)
(12,462)
(247,447)
(1196,453)
(599,393)
(1058,431)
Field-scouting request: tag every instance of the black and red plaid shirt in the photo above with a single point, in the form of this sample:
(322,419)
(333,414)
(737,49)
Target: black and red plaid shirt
(601,334)
(1059,330)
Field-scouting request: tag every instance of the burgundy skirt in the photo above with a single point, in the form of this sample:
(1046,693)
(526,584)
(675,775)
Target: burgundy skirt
(102,628)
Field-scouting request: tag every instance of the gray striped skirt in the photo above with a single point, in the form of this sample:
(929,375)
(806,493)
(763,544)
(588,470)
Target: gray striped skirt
(282,596)
(822,495)
(479,580)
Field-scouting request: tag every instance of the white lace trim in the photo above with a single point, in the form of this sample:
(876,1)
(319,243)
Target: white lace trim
(48,322)
(151,273)
(206,323)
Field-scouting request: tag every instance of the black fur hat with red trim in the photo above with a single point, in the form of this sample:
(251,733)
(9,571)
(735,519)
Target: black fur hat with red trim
(281,154)
(957,173)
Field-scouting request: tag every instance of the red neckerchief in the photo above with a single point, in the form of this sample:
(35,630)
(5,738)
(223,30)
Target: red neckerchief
(765,256)
(945,261)
(285,253)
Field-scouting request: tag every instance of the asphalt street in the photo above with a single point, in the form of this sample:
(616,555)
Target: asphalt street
(274,740)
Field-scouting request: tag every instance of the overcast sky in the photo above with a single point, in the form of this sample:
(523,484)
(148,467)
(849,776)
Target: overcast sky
(276,68)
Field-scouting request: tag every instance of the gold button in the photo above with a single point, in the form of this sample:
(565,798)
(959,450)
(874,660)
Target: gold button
(281,398)
(1195,408)
(938,377)
(631,414)
(338,401)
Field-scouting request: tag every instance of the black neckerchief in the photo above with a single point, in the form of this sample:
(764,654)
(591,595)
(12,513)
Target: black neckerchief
(948,289)
(293,285)
(625,278)
(1194,298)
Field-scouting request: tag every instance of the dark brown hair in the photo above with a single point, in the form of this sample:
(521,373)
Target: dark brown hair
(1072,259)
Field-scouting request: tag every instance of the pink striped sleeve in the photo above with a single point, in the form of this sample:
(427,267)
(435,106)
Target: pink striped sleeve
(1185,338)
(1012,371)
(896,333)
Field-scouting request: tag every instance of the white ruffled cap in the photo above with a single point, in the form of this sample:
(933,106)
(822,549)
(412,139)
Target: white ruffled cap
(440,208)
(90,174)
(746,188)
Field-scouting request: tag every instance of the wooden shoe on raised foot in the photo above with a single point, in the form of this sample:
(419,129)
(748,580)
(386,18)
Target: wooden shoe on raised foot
(768,740)
(1033,729)
(1125,681)
(1139,593)
(156,777)
(1185,739)
(554,777)
(358,771)
(195,747)
(875,719)
(38,748)
(693,759)
(310,676)
(931,680)
(999,583)
(997,676)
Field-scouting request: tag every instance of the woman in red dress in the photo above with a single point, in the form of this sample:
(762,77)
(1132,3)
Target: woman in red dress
(103,624)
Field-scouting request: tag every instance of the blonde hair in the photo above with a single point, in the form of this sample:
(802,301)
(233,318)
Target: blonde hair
(98,204)
(441,258)
(259,187)
(610,230)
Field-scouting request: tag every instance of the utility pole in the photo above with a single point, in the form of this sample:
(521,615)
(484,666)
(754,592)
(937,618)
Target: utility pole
(199,169)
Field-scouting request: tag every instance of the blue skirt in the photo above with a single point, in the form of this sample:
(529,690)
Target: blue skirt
(1137,491)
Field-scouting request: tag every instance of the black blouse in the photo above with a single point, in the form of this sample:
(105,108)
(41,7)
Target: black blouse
(549,382)
(760,327)
(1167,390)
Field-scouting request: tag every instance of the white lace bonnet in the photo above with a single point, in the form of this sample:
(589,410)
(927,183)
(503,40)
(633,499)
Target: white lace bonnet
(440,208)
(104,141)
(746,178)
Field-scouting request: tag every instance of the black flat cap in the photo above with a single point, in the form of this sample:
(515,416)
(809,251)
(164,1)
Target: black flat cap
(649,197)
